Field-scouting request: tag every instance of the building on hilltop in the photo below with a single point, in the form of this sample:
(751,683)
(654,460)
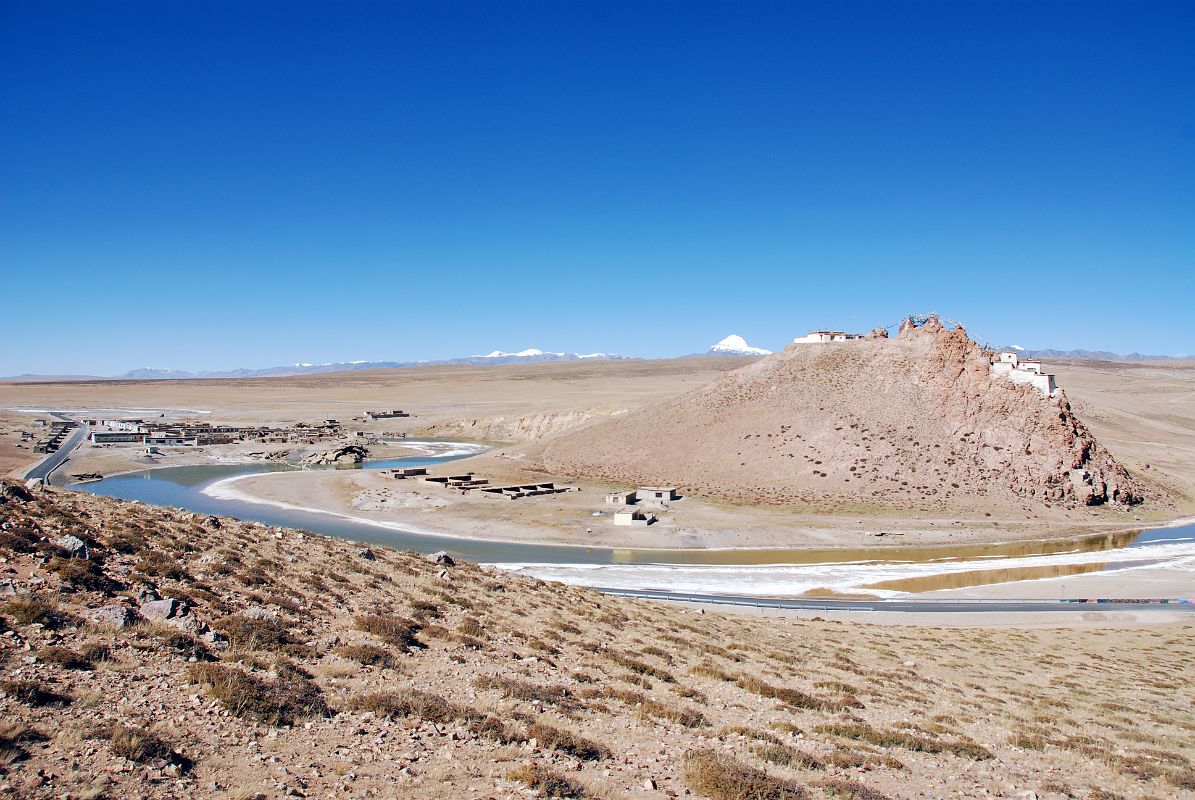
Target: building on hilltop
(817,337)
(1010,365)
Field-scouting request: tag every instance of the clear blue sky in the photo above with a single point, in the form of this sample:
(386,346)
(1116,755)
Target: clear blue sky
(208,185)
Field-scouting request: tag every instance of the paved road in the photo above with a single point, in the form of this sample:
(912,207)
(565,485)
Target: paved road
(935,606)
(53,461)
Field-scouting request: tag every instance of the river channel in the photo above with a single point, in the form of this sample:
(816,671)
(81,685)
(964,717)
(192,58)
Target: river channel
(878,572)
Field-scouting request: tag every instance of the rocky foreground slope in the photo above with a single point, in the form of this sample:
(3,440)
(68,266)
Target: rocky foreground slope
(914,422)
(153,653)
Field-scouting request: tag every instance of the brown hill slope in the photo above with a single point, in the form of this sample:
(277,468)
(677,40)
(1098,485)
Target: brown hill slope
(280,664)
(912,422)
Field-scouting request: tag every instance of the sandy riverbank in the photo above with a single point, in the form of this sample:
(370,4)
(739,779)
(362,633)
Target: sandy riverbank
(946,561)
(581,517)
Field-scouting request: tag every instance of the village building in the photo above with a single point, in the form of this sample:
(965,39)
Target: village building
(657,495)
(634,517)
(385,414)
(622,498)
(401,473)
(170,440)
(818,337)
(115,437)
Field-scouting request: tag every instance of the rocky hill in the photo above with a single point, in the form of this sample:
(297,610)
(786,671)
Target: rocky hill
(153,653)
(913,422)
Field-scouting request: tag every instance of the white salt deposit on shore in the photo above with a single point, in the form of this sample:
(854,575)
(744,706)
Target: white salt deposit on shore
(786,580)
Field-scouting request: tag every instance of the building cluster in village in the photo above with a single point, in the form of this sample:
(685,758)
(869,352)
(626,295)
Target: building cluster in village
(58,431)
(635,504)
(194,434)
(470,482)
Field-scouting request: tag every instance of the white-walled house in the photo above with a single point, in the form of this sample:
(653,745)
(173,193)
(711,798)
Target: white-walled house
(817,337)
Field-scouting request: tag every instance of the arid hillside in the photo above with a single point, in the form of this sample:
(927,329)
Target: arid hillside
(152,653)
(914,422)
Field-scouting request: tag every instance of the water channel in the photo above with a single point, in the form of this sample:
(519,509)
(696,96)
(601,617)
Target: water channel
(880,571)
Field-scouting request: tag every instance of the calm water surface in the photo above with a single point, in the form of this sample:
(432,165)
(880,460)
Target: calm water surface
(899,569)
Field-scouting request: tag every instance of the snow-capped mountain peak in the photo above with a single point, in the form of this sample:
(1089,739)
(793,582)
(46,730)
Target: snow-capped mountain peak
(528,353)
(735,345)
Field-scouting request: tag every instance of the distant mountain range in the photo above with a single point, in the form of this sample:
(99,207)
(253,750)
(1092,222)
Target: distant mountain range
(1094,355)
(732,345)
(495,358)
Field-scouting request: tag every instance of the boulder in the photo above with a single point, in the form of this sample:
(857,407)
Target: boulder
(120,616)
(185,621)
(259,612)
(160,610)
(877,333)
(440,557)
(216,639)
(347,454)
(367,554)
(15,491)
(73,545)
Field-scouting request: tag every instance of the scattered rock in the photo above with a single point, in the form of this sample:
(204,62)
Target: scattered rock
(367,554)
(216,639)
(440,557)
(260,612)
(120,616)
(348,454)
(14,491)
(160,610)
(72,545)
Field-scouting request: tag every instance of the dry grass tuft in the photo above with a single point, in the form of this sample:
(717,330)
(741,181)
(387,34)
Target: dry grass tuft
(145,747)
(554,694)
(254,633)
(794,697)
(546,782)
(290,696)
(82,574)
(391,629)
(29,610)
(720,777)
(849,790)
(408,702)
(566,742)
(33,694)
(367,654)
(785,756)
(64,657)
(910,741)
(13,736)
(472,627)
(160,564)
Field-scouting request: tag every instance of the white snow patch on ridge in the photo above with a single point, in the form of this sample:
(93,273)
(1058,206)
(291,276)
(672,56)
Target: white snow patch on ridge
(531,351)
